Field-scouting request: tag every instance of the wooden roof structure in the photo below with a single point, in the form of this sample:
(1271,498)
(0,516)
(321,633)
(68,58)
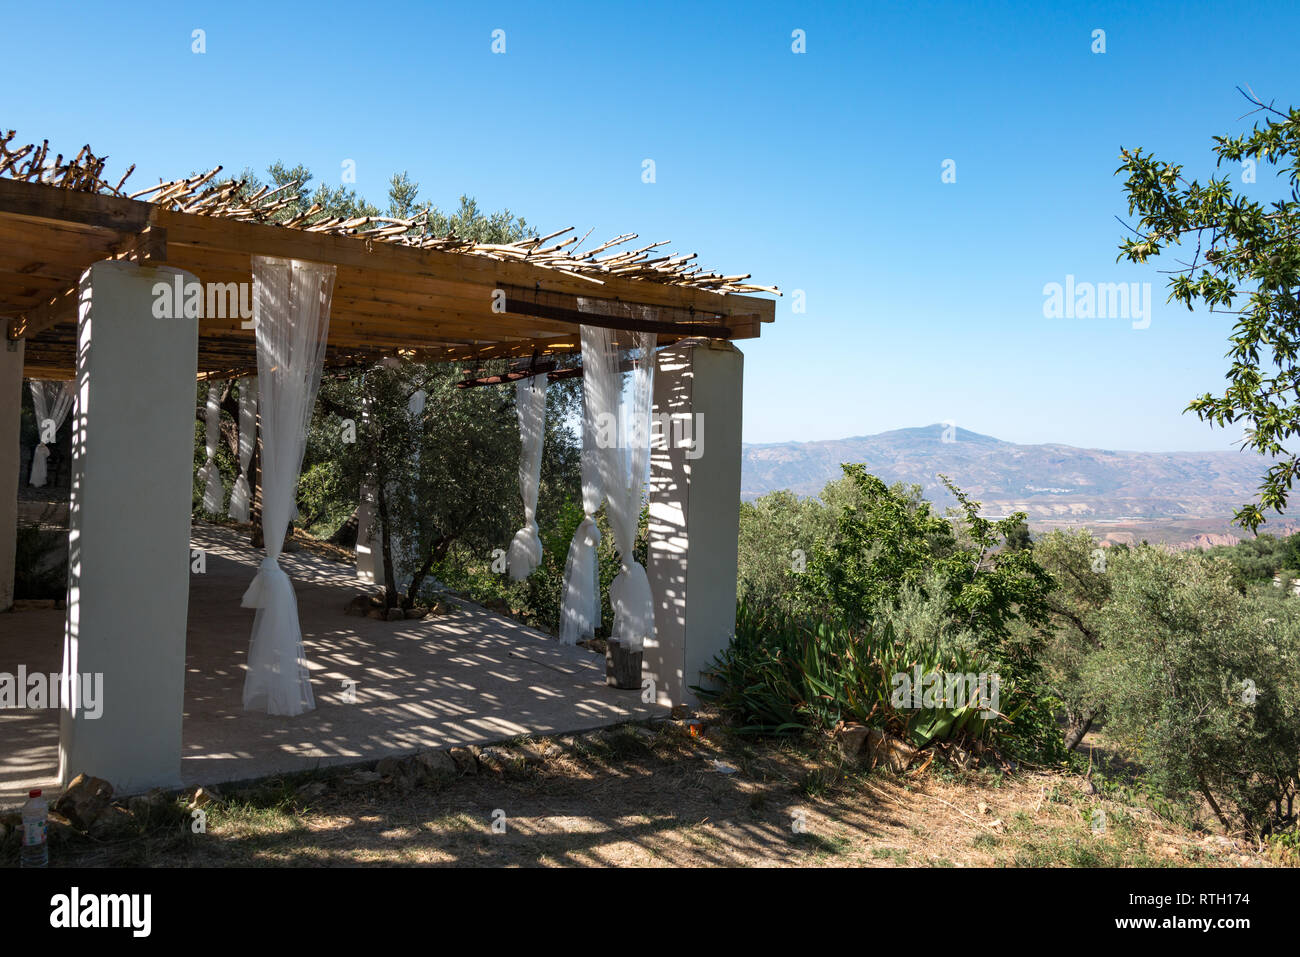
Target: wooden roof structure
(399,290)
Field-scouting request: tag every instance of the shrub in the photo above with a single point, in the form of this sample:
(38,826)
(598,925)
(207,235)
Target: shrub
(1079,569)
(1202,683)
(777,534)
(887,540)
(40,572)
(889,587)
(782,675)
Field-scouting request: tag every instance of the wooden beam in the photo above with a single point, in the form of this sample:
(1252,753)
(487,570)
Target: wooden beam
(149,246)
(603,321)
(252,238)
(41,201)
(434,303)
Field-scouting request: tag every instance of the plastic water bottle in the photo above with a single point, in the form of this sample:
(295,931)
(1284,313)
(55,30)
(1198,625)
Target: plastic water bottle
(35,852)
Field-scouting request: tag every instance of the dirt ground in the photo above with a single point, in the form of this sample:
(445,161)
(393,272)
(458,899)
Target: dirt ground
(660,797)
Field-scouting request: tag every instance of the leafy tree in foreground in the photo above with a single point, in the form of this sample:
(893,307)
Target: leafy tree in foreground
(1246,263)
(887,539)
(1082,589)
(1202,683)
(882,539)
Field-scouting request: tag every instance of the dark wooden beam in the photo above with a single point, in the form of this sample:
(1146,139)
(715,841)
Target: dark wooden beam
(40,201)
(539,310)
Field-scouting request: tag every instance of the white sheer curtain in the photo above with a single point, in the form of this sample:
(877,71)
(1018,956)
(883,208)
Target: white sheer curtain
(51,401)
(625,468)
(530,405)
(241,497)
(291,304)
(402,549)
(580,610)
(214,492)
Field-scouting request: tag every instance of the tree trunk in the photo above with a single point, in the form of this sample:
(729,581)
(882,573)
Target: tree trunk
(390,587)
(436,555)
(622,666)
(1079,726)
(346,535)
(230,431)
(1214,805)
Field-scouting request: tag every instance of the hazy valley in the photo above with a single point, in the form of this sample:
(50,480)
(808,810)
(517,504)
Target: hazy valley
(1180,498)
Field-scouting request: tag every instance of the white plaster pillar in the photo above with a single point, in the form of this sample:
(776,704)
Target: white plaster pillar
(694,513)
(370,547)
(11,406)
(129,529)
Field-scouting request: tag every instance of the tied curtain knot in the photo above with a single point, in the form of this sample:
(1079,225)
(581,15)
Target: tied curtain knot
(633,605)
(269,581)
(525,551)
(588,532)
(291,302)
(530,406)
(51,402)
(40,470)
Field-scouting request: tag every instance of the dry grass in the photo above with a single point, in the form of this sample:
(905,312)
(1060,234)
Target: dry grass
(635,797)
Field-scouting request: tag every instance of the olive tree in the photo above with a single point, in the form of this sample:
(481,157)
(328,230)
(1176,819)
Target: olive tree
(1244,262)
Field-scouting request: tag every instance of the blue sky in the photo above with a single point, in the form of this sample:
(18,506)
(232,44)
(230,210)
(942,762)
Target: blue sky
(818,171)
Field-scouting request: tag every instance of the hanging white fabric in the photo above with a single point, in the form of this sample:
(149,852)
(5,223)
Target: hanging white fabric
(624,441)
(402,549)
(241,497)
(415,408)
(51,401)
(580,609)
(530,405)
(214,492)
(291,303)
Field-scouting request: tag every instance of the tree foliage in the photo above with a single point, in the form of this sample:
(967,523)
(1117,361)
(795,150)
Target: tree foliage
(887,539)
(466,220)
(889,584)
(447,476)
(1202,683)
(1246,263)
(1082,588)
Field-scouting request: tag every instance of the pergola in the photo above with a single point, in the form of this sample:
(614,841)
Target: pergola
(79,262)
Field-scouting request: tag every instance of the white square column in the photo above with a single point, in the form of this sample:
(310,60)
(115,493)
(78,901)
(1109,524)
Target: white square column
(11,407)
(129,529)
(694,513)
(370,545)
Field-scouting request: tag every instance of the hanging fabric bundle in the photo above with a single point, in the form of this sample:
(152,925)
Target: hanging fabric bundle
(241,497)
(530,405)
(625,468)
(291,304)
(51,401)
(214,492)
(414,408)
(580,611)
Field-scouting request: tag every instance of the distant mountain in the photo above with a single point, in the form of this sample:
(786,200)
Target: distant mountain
(1053,484)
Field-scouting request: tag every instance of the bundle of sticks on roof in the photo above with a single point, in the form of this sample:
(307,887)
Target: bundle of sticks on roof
(32,164)
(206,195)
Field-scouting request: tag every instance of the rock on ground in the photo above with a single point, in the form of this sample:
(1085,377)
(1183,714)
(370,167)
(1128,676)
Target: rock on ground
(84,801)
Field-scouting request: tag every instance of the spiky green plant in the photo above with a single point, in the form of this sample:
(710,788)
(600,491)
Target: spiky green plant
(783,675)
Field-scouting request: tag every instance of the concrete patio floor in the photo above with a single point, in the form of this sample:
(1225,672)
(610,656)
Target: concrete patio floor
(465,678)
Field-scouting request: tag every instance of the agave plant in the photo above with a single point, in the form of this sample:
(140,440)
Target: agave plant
(783,675)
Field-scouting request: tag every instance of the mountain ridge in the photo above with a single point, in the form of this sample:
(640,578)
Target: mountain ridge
(1053,483)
